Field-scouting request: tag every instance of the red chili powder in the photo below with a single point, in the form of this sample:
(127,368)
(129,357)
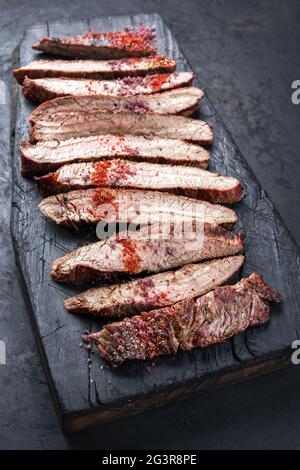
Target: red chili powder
(103,196)
(139,41)
(156,81)
(160,297)
(133,42)
(100,173)
(102,176)
(131,259)
(123,148)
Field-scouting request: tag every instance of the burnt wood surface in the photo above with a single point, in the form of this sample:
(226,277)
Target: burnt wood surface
(84,392)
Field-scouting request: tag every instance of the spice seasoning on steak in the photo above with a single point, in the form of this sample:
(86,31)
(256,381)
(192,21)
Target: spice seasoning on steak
(155,291)
(189,181)
(210,319)
(96,69)
(47,156)
(140,251)
(111,95)
(139,207)
(131,258)
(101,45)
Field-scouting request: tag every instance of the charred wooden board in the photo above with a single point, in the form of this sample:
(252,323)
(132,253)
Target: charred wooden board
(85,391)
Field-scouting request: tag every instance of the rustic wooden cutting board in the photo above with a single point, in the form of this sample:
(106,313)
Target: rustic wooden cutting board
(84,389)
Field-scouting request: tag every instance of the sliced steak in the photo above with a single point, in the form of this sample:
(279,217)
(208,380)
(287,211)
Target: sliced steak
(120,123)
(97,69)
(192,323)
(179,101)
(92,45)
(159,290)
(189,181)
(43,89)
(50,155)
(129,206)
(144,252)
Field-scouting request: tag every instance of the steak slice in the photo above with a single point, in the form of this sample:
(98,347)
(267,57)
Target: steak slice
(43,89)
(120,123)
(92,45)
(50,155)
(129,206)
(178,101)
(98,69)
(190,181)
(144,252)
(159,290)
(192,323)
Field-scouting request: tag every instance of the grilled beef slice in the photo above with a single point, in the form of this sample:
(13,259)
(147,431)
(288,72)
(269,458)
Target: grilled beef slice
(158,290)
(143,252)
(92,45)
(178,101)
(120,123)
(189,181)
(192,323)
(97,69)
(43,89)
(130,206)
(50,155)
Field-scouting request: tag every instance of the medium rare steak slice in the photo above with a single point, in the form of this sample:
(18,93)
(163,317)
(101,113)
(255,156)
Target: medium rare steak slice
(179,101)
(43,89)
(144,252)
(159,290)
(120,123)
(130,206)
(192,323)
(98,69)
(190,181)
(92,45)
(48,156)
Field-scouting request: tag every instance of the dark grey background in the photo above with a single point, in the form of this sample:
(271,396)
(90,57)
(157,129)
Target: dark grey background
(247,53)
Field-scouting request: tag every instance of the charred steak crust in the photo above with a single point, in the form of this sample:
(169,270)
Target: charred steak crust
(155,291)
(210,319)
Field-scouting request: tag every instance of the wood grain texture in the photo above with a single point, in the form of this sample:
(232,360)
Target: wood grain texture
(88,392)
